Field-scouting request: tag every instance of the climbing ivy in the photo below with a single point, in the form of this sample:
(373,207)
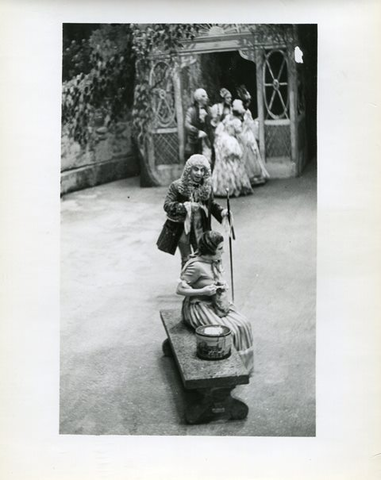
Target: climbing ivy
(76,49)
(105,90)
(116,60)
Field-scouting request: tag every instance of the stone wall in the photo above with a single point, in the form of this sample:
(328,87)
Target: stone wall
(110,156)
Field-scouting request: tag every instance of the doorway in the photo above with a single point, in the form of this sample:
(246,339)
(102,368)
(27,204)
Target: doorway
(229,70)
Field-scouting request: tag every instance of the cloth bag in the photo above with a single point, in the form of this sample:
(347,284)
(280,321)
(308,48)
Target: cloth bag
(221,303)
(169,237)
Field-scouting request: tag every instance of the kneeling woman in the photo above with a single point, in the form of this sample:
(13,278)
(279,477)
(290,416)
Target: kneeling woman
(201,283)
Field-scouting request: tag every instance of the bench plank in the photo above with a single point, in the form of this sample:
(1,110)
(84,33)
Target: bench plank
(197,373)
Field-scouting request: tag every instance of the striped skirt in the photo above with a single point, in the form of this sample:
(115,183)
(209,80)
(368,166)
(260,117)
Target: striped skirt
(202,313)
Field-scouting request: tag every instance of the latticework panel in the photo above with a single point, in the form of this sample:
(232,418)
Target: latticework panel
(275,84)
(263,33)
(166,148)
(162,95)
(278,141)
(212,29)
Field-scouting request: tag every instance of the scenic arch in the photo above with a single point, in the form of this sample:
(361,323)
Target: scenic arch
(279,98)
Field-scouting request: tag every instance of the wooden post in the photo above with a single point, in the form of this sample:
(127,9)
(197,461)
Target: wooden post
(260,102)
(293,92)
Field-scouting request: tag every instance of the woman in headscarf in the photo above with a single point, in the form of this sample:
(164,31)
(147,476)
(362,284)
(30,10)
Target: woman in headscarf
(189,205)
(220,110)
(229,171)
(251,156)
(199,131)
(203,286)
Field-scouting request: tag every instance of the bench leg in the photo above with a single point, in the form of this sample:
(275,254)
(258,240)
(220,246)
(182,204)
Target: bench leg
(167,349)
(207,404)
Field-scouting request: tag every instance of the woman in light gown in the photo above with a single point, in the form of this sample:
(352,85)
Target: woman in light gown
(220,110)
(251,156)
(229,171)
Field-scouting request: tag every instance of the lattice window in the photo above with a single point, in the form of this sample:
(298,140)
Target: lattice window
(163,97)
(166,147)
(164,124)
(275,85)
(278,140)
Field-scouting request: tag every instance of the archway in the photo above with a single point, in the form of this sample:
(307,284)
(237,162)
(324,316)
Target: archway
(261,58)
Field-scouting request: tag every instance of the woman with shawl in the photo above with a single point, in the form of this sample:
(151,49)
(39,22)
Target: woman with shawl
(189,205)
(205,301)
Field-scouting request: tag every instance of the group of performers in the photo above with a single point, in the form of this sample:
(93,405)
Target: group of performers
(189,205)
(223,159)
(226,135)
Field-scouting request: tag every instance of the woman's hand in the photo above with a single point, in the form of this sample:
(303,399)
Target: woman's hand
(226,223)
(222,287)
(209,290)
(225,215)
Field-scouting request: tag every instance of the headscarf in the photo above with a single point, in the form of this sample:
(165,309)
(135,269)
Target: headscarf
(209,241)
(188,188)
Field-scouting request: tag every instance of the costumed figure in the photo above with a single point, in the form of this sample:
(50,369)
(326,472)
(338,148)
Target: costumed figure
(229,171)
(199,131)
(206,301)
(189,205)
(220,110)
(254,165)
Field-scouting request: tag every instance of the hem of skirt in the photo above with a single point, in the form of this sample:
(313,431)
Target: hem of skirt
(248,350)
(247,354)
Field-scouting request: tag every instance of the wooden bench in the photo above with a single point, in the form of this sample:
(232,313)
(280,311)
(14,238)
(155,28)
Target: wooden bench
(208,383)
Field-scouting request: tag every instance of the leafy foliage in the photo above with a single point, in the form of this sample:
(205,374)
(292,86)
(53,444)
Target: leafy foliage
(104,89)
(273,33)
(99,73)
(76,49)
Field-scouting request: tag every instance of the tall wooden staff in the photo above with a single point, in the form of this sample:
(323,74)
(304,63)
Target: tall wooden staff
(231,234)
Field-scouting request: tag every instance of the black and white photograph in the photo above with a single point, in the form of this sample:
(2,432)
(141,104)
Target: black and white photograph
(188,229)
(190,247)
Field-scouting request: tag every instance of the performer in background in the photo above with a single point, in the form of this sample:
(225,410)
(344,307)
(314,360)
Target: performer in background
(203,286)
(229,172)
(199,131)
(220,110)
(189,205)
(251,156)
